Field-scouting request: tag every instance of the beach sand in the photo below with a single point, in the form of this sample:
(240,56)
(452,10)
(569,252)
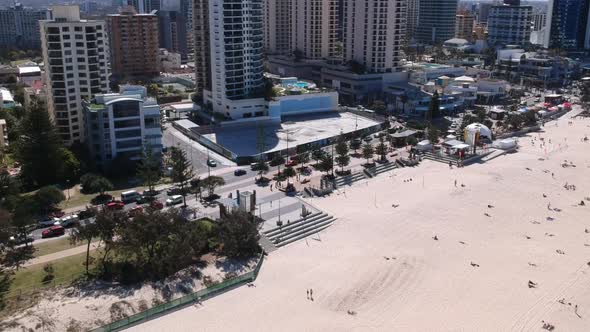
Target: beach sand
(378,268)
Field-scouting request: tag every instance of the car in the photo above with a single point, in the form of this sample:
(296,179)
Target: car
(129,196)
(53,231)
(156,205)
(47,222)
(291,163)
(69,221)
(211,163)
(368,139)
(144,199)
(537,100)
(115,205)
(134,212)
(20,239)
(151,193)
(173,200)
(379,134)
(173,191)
(239,172)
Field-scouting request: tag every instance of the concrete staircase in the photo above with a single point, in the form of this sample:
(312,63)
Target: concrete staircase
(266,244)
(441,159)
(299,229)
(382,168)
(348,180)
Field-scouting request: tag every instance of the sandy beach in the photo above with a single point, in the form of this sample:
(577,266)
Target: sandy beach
(504,250)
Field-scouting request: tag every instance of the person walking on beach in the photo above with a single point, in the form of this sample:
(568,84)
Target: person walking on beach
(311,294)
(455,183)
(307,293)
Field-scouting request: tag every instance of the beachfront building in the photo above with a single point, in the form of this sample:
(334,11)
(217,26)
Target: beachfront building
(76,56)
(510,24)
(436,21)
(19,26)
(133,39)
(119,125)
(278,27)
(314,28)
(464,25)
(568,24)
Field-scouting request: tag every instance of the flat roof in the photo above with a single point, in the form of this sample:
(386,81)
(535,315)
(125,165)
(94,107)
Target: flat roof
(186,124)
(183,107)
(296,130)
(29,69)
(6,95)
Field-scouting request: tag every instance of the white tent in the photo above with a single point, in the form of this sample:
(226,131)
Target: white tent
(478,127)
(424,145)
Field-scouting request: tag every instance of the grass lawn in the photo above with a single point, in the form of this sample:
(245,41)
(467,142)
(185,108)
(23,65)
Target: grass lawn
(65,270)
(50,247)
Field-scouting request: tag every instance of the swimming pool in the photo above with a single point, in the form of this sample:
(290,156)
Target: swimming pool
(301,85)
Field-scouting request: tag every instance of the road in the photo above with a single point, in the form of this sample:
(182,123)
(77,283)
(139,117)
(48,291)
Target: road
(197,153)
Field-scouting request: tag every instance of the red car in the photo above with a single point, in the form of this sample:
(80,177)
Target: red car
(53,231)
(156,205)
(136,211)
(291,163)
(115,205)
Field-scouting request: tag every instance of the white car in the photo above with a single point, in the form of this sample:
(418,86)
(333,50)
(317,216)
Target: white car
(173,200)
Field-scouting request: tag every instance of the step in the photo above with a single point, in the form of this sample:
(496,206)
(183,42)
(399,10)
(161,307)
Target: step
(285,227)
(266,244)
(298,228)
(272,230)
(368,173)
(302,236)
(303,231)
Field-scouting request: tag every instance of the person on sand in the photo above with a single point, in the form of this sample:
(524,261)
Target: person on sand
(435,238)
(307,293)
(450,165)
(455,183)
(311,294)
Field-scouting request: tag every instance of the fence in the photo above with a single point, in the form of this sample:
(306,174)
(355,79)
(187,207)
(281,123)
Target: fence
(182,301)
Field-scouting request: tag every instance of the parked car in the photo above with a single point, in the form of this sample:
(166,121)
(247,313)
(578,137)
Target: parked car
(115,205)
(211,163)
(69,221)
(239,172)
(53,231)
(291,163)
(173,191)
(368,139)
(47,222)
(19,239)
(173,200)
(144,199)
(135,211)
(129,196)
(151,193)
(156,205)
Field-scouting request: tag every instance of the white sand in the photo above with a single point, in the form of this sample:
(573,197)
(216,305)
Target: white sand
(430,285)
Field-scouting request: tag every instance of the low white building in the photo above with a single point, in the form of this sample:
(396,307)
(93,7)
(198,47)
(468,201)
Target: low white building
(28,75)
(465,87)
(6,99)
(118,125)
(421,72)
(458,44)
(169,61)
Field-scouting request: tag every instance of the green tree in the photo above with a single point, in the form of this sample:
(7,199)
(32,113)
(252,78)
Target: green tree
(303,158)
(327,163)
(149,167)
(85,233)
(213,182)
(355,144)
(277,160)
(433,107)
(318,155)
(382,149)
(182,171)
(289,172)
(153,90)
(238,234)
(70,166)
(261,167)
(433,134)
(368,151)
(342,158)
(47,198)
(38,149)
(100,185)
